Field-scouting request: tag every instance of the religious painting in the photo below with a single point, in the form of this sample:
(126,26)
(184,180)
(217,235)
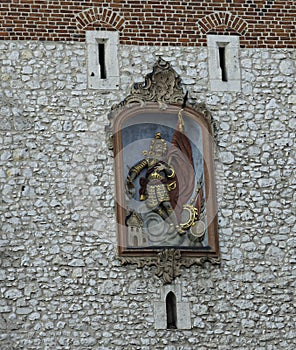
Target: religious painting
(165,188)
(164,183)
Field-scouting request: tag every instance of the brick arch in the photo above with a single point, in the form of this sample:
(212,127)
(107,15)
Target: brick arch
(97,14)
(226,20)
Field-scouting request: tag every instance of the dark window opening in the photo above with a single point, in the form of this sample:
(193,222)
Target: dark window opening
(171,311)
(102,63)
(222,60)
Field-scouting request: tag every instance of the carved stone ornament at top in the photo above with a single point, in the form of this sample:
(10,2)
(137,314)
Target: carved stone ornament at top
(162,86)
(164,183)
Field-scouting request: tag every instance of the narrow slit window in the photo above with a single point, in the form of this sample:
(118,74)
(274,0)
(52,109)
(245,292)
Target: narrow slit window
(222,61)
(171,311)
(102,63)
(102,59)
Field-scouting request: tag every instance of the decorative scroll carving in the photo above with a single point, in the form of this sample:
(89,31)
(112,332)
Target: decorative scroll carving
(166,217)
(168,263)
(163,85)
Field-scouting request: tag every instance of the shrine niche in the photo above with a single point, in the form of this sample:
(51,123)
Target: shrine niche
(164,175)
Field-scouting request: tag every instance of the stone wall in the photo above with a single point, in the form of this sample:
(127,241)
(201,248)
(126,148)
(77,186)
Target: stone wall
(61,284)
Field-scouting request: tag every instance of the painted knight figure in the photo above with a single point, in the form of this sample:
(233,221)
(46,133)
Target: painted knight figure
(165,189)
(164,174)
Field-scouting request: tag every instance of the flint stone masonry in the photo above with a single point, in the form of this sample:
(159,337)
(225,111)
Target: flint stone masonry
(61,284)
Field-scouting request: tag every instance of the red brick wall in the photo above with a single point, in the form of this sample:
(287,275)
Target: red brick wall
(260,23)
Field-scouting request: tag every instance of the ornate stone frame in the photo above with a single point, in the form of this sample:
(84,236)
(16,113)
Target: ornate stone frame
(161,93)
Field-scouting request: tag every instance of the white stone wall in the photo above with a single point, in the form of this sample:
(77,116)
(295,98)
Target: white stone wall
(61,285)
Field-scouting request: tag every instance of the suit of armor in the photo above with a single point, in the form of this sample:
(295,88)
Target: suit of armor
(158,181)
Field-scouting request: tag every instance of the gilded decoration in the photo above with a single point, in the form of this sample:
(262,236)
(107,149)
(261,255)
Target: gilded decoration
(164,177)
